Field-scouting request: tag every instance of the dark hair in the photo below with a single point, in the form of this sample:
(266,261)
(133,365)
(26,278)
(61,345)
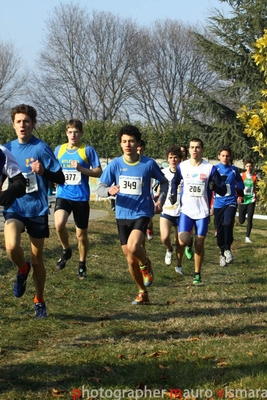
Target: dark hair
(197,140)
(75,123)
(130,130)
(248,162)
(24,109)
(186,150)
(174,150)
(225,148)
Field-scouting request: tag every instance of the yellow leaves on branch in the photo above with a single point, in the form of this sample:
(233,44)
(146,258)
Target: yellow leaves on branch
(255,119)
(256,123)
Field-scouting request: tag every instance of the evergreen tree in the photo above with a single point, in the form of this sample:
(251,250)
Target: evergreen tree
(228,47)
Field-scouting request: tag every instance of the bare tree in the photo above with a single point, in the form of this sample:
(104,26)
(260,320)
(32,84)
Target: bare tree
(85,65)
(170,64)
(12,79)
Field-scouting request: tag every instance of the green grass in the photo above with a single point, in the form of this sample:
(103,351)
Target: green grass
(198,338)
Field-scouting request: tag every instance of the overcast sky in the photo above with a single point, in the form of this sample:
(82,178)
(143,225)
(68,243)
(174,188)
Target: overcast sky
(23,22)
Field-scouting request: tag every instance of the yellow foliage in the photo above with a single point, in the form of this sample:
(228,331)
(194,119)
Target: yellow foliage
(255,119)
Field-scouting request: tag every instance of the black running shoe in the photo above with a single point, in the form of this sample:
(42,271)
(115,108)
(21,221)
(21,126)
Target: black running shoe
(81,270)
(66,255)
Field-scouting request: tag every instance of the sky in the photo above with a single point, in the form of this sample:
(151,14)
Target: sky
(23,22)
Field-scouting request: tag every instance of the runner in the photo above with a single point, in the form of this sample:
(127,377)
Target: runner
(129,178)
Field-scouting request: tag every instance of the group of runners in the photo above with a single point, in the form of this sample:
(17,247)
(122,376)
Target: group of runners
(185,192)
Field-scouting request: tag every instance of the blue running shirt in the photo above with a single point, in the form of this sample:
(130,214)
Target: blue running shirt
(134,199)
(34,203)
(76,186)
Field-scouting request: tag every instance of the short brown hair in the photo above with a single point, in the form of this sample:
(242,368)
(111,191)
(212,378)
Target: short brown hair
(24,109)
(75,123)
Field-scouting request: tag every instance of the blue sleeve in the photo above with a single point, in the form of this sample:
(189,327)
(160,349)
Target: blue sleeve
(176,180)
(157,173)
(56,151)
(48,159)
(107,176)
(92,157)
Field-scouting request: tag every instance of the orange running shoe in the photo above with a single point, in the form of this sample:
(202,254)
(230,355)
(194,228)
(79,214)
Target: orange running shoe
(141,298)
(147,273)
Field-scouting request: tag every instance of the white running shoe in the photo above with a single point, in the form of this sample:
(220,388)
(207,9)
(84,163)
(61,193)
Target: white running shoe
(228,256)
(248,240)
(168,257)
(179,270)
(222,261)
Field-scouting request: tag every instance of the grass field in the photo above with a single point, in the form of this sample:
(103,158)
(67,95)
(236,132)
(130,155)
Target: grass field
(205,342)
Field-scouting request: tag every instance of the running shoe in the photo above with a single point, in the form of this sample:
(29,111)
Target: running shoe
(197,280)
(141,298)
(66,255)
(149,234)
(248,240)
(189,252)
(179,270)
(147,273)
(81,271)
(40,310)
(168,257)
(222,261)
(20,282)
(228,256)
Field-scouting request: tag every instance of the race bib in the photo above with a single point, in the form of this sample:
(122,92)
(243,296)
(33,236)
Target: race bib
(130,185)
(72,177)
(195,189)
(248,190)
(31,182)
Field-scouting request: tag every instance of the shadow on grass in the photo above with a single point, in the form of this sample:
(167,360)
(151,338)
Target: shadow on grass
(124,374)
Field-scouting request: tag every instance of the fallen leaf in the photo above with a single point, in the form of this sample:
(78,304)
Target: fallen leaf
(108,369)
(192,339)
(155,354)
(221,359)
(94,378)
(222,364)
(59,393)
(120,356)
(171,301)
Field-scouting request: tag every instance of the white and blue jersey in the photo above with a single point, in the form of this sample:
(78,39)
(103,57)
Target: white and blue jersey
(134,200)
(196,193)
(76,186)
(230,175)
(34,203)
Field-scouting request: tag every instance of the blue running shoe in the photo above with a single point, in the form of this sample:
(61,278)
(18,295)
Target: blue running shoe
(20,282)
(40,310)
